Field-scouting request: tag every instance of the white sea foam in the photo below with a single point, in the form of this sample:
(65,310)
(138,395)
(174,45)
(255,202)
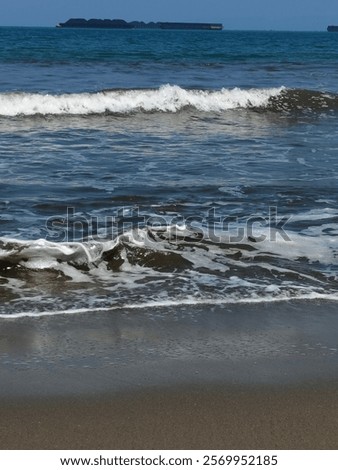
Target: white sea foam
(167,98)
(164,267)
(175,303)
(42,250)
(42,254)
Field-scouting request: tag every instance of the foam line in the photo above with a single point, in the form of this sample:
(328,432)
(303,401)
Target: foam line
(167,98)
(174,303)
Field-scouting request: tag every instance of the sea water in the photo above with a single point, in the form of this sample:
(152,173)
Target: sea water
(144,168)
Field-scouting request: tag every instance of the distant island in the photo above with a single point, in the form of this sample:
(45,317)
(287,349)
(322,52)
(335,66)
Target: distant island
(332,29)
(122,24)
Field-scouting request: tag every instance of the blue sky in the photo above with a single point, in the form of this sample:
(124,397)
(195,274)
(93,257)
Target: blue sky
(234,14)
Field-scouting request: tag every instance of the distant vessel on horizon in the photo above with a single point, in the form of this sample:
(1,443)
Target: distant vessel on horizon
(122,24)
(332,29)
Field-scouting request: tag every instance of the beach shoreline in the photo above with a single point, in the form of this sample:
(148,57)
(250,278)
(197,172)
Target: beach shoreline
(243,377)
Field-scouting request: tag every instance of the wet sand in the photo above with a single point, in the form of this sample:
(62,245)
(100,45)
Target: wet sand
(237,377)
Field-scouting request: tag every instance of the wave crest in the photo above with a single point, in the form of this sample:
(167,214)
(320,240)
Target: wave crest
(302,100)
(167,98)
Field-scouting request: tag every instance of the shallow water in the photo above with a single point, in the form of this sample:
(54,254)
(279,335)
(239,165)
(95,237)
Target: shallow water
(165,168)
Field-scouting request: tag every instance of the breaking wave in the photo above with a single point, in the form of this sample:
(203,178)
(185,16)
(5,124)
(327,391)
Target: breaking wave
(165,99)
(163,266)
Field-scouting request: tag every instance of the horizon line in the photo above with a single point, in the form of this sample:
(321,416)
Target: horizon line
(224,28)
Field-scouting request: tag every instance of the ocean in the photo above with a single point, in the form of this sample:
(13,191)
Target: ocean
(150,169)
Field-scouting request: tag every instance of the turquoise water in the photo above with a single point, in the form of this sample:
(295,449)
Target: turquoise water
(149,168)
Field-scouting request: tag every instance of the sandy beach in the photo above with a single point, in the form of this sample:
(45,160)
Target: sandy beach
(234,377)
(188,418)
